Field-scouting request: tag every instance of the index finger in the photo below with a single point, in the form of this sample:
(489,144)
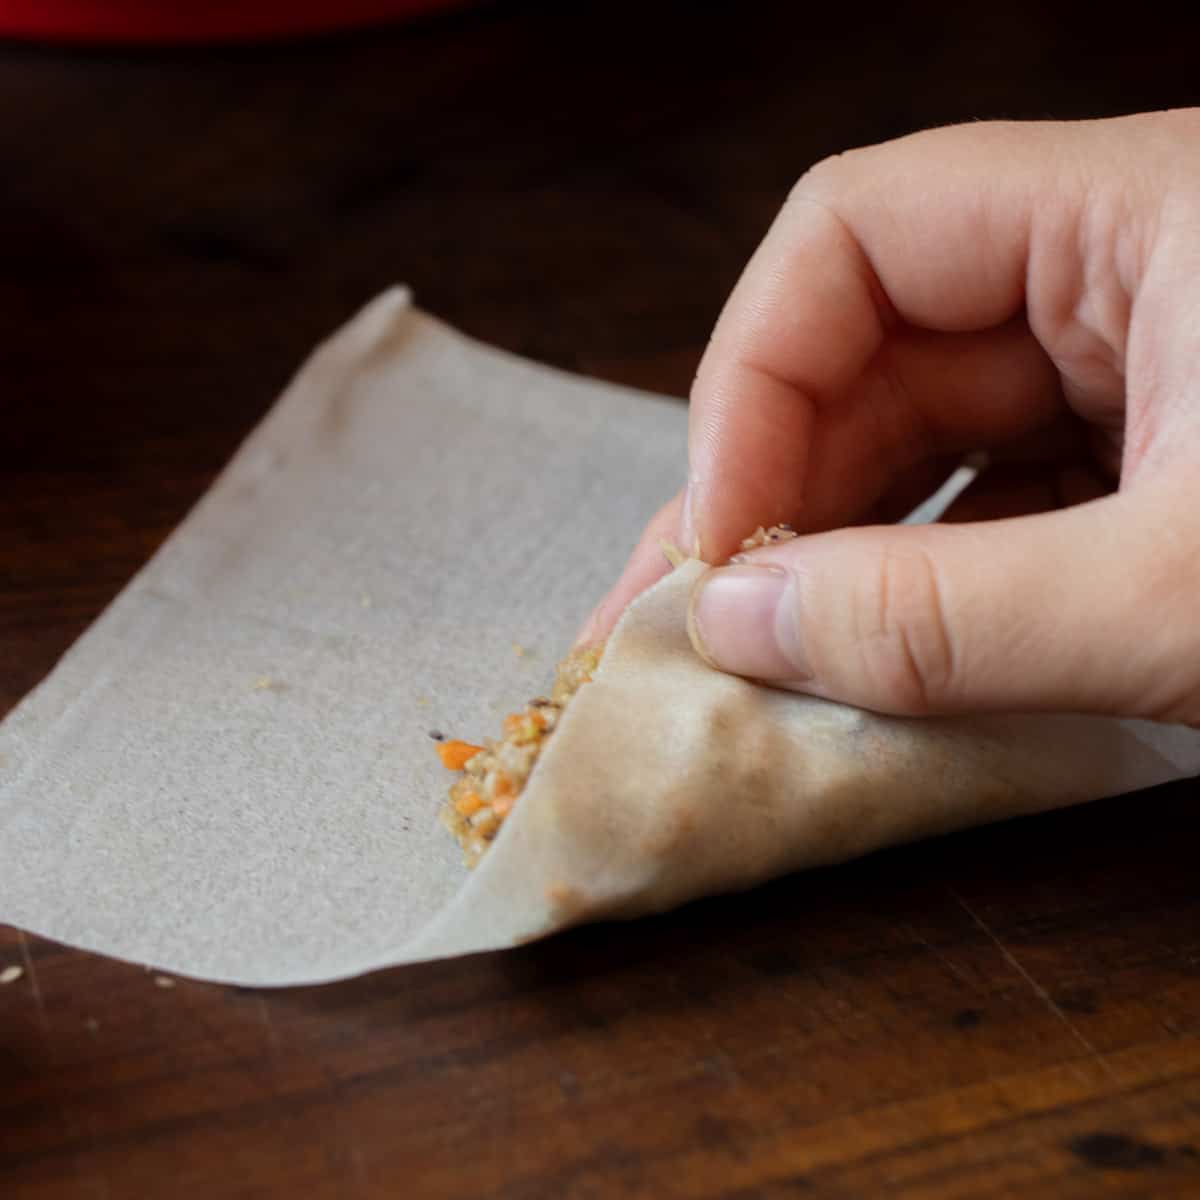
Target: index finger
(936,230)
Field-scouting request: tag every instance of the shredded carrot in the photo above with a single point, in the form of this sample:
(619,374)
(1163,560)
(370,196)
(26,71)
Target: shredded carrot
(470,802)
(502,786)
(524,727)
(485,824)
(502,805)
(455,755)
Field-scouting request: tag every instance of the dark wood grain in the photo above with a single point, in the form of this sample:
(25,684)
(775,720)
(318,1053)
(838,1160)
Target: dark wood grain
(1014,1011)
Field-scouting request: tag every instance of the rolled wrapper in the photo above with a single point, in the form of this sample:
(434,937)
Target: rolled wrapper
(667,780)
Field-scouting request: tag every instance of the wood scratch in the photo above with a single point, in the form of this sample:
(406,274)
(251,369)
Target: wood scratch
(34,986)
(958,974)
(97,1181)
(97,1177)
(1038,990)
(354,1153)
(264,1013)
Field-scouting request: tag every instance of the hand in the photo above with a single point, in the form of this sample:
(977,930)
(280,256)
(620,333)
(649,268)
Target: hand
(1031,289)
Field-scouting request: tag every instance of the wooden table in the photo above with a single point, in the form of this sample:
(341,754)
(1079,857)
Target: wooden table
(1015,1011)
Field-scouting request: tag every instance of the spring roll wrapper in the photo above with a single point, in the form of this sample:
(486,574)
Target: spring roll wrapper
(229,776)
(667,780)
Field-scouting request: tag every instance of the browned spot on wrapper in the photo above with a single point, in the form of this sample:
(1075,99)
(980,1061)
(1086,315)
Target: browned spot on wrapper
(567,902)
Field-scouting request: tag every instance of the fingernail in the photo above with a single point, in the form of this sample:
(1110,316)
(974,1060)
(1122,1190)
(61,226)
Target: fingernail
(743,620)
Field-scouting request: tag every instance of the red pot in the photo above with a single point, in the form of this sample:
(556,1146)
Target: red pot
(181,21)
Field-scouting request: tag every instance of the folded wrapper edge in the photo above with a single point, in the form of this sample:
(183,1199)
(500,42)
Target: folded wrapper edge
(667,781)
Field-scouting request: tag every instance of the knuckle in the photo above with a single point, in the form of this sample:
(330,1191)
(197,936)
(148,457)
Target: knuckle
(826,178)
(905,643)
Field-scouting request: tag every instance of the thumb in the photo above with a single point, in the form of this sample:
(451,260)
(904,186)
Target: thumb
(1089,609)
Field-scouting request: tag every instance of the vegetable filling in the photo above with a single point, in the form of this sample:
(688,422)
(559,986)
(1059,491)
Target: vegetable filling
(494,774)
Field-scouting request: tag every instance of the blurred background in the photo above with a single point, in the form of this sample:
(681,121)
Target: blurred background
(578,183)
